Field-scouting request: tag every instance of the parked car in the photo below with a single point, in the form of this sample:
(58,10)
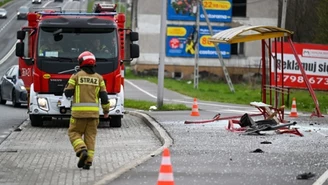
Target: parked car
(3,13)
(22,12)
(36,1)
(58,0)
(12,87)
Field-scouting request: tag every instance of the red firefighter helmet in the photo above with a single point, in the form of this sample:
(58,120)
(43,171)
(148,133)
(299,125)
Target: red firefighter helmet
(86,59)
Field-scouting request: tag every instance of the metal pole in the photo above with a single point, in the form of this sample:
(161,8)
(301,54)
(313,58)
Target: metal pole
(283,13)
(134,13)
(161,67)
(224,68)
(196,68)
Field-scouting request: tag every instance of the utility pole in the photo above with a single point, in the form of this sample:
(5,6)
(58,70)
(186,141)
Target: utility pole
(161,67)
(196,68)
(284,13)
(225,70)
(134,13)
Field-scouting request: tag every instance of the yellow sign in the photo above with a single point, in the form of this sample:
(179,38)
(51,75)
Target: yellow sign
(216,5)
(46,76)
(205,42)
(176,31)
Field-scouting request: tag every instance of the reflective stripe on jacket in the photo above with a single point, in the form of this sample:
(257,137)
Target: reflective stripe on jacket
(86,94)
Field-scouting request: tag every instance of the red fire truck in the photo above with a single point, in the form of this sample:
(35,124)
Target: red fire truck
(48,49)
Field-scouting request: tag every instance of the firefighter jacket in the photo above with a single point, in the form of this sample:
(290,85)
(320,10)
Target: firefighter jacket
(88,88)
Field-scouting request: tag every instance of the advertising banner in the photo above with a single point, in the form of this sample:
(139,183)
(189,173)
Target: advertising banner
(314,59)
(185,10)
(181,42)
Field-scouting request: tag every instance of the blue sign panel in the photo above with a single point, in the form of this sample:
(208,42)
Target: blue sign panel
(181,42)
(185,10)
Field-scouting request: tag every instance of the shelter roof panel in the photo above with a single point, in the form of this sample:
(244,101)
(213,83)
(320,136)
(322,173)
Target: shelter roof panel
(249,33)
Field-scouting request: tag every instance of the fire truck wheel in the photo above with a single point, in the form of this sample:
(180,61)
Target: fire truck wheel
(1,100)
(36,120)
(14,100)
(115,121)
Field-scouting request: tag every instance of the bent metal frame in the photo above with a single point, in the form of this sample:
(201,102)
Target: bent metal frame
(267,34)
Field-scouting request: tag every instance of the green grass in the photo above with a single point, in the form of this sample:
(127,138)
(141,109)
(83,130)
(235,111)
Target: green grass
(4,2)
(145,105)
(244,93)
(90,6)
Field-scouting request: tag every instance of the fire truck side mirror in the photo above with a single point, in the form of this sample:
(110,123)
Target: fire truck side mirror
(20,49)
(134,51)
(134,36)
(20,52)
(21,35)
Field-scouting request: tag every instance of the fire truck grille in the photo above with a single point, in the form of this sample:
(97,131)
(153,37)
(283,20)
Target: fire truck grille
(56,86)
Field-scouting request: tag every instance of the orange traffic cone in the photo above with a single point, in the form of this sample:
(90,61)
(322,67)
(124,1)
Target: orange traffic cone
(165,176)
(293,112)
(194,111)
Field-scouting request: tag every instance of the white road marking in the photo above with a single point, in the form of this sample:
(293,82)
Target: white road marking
(4,26)
(11,51)
(322,179)
(46,4)
(140,89)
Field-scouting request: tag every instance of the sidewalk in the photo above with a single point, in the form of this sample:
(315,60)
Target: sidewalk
(44,155)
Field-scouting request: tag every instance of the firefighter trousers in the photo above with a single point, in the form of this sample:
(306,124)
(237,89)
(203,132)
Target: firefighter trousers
(82,134)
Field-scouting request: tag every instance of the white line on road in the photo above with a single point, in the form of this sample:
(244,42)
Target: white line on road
(322,179)
(140,89)
(4,26)
(8,54)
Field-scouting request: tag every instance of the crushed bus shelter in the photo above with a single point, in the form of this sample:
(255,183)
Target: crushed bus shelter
(272,104)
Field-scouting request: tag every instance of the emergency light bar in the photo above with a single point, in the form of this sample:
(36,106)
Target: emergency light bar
(78,14)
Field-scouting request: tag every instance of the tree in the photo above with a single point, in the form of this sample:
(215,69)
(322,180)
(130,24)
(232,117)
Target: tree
(302,19)
(321,34)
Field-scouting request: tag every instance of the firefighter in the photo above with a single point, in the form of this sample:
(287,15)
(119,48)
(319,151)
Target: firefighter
(85,87)
(50,45)
(98,47)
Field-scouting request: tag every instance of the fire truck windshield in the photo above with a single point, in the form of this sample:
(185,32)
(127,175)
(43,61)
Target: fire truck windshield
(58,48)
(70,42)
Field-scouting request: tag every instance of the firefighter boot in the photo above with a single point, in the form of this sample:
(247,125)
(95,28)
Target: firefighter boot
(87,165)
(83,158)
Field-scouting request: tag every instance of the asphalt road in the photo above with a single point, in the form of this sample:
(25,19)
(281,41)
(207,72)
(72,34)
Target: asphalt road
(11,117)
(209,154)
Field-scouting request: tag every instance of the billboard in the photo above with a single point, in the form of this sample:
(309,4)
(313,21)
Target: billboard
(181,41)
(314,59)
(185,10)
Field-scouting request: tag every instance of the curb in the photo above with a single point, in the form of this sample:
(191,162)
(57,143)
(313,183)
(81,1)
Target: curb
(160,133)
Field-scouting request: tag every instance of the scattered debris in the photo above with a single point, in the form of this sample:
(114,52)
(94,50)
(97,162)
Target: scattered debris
(257,151)
(18,129)
(151,108)
(266,142)
(305,176)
